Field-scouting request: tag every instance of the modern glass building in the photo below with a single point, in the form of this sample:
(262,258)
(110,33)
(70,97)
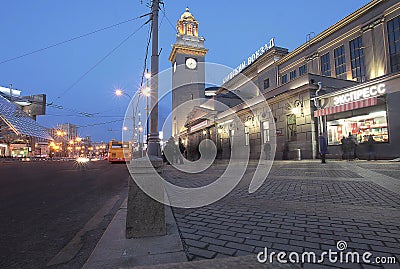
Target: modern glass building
(19,133)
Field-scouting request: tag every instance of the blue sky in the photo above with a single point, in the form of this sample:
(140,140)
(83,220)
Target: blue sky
(232,29)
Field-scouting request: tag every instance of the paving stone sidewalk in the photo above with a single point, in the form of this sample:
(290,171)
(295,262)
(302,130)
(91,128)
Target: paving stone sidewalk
(302,206)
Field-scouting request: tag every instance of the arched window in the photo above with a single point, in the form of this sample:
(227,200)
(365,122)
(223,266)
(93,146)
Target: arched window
(189,30)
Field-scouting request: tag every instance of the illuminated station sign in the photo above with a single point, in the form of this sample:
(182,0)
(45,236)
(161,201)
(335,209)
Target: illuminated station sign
(263,49)
(361,94)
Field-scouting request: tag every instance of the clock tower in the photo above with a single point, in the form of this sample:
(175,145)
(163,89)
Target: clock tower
(188,70)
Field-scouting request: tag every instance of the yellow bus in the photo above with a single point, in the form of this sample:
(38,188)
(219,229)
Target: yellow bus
(119,151)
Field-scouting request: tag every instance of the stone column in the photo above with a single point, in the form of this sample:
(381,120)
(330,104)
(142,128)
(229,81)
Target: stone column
(145,216)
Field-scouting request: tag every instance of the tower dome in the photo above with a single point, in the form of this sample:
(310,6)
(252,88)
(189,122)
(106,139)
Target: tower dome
(187,15)
(187,24)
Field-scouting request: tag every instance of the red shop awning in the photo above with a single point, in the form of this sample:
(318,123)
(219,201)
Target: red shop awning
(346,107)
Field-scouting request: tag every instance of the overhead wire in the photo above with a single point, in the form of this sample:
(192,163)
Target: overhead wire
(101,60)
(72,39)
(169,22)
(100,123)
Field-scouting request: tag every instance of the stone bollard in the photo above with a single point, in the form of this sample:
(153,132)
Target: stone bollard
(145,216)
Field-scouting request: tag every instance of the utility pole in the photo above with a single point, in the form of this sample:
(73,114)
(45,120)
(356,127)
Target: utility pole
(146,216)
(154,141)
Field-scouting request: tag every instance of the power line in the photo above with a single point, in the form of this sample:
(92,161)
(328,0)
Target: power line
(145,57)
(101,60)
(169,22)
(71,39)
(82,116)
(100,123)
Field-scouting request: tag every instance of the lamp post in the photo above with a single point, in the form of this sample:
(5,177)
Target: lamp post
(154,141)
(119,92)
(147,92)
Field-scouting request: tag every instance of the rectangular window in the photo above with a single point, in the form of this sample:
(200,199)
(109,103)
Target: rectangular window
(266,83)
(284,79)
(292,74)
(360,127)
(292,127)
(302,70)
(340,62)
(357,59)
(325,65)
(393,27)
(247,135)
(265,133)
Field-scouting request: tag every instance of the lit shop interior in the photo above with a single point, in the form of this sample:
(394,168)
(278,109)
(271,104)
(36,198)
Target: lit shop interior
(365,122)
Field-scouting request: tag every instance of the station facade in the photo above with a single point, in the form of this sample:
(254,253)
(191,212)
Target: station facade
(343,81)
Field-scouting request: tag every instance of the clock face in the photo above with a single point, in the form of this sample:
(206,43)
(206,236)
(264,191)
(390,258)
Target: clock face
(191,63)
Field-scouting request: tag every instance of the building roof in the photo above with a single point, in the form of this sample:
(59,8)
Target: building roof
(19,121)
(187,15)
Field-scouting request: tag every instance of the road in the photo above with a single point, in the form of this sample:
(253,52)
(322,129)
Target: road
(53,213)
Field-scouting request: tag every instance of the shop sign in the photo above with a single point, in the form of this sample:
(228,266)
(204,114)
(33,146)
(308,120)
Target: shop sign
(356,95)
(250,60)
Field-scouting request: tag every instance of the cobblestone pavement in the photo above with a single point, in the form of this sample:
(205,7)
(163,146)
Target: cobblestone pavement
(302,206)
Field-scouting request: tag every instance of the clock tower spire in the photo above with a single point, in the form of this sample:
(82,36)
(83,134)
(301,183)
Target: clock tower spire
(188,76)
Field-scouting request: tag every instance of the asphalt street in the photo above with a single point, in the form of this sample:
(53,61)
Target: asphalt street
(53,213)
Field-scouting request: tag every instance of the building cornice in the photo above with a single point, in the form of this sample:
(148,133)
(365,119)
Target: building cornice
(176,48)
(342,23)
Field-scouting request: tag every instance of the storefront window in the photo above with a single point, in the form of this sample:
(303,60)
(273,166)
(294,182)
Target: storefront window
(360,127)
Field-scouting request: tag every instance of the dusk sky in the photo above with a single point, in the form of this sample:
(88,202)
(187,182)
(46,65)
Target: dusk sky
(233,30)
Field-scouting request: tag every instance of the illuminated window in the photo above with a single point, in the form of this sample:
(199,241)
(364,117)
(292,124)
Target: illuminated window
(247,135)
(393,27)
(265,133)
(292,74)
(340,62)
(326,65)
(284,79)
(302,70)
(357,59)
(189,29)
(361,127)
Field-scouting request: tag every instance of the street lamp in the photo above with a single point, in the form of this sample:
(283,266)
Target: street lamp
(147,92)
(147,75)
(119,92)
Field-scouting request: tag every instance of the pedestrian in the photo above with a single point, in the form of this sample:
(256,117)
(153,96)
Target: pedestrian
(355,140)
(267,151)
(323,147)
(285,155)
(179,150)
(169,150)
(351,147)
(371,147)
(182,148)
(344,146)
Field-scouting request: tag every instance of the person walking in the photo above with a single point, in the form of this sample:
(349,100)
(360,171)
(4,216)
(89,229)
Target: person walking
(323,147)
(371,147)
(343,146)
(351,147)
(169,150)
(267,151)
(180,151)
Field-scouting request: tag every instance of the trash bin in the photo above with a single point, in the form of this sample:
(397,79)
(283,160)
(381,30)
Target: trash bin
(298,154)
